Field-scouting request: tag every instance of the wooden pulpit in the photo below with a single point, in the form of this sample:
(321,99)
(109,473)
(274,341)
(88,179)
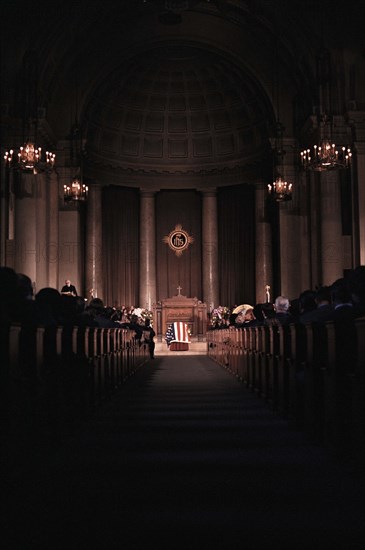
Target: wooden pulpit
(181,308)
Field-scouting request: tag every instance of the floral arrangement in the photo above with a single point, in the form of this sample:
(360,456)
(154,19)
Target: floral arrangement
(143,315)
(220,317)
(147,314)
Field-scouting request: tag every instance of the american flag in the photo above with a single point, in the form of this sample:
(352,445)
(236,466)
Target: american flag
(177,332)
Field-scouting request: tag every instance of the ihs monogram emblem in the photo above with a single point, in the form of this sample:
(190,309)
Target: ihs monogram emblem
(178,240)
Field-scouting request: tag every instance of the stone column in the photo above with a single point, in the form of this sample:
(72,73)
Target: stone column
(312,220)
(70,234)
(291,238)
(34,215)
(53,249)
(41,207)
(331,228)
(93,254)
(147,250)
(360,203)
(4,210)
(263,259)
(210,248)
(290,277)
(26,252)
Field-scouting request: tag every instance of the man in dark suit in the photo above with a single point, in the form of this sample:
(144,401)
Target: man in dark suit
(149,334)
(68,289)
(324,310)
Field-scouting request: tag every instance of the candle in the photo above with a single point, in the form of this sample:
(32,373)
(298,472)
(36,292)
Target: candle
(267,288)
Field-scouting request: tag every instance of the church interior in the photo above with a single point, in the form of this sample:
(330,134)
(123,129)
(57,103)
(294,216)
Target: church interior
(182,113)
(182,157)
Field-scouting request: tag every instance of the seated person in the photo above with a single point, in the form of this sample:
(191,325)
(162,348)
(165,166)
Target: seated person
(282,314)
(135,325)
(246,317)
(148,335)
(324,310)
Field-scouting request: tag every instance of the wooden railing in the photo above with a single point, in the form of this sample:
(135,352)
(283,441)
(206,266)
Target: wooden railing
(53,376)
(314,375)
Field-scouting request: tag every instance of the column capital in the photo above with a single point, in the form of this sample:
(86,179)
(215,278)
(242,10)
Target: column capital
(356,121)
(359,147)
(208,192)
(148,192)
(260,185)
(95,186)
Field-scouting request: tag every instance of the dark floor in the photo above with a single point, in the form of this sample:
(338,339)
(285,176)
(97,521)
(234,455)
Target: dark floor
(184,457)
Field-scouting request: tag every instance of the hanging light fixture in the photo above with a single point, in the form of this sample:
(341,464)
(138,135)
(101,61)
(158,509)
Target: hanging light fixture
(29,158)
(76,191)
(326,155)
(280,190)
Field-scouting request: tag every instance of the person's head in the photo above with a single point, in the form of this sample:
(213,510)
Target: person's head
(68,282)
(281,304)
(249,315)
(8,291)
(108,312)
(25,287)
(69,308)
(307,301)
(357,284)
(267,309)
(263,311)
(117,315)
(49,304)
(95,307)
(245,315)
(342,295)
(97,303)
(323,295)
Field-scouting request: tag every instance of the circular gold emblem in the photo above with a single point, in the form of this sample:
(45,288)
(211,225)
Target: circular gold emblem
(178,240)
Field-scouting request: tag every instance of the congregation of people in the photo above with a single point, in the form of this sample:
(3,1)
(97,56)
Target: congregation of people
(343,301)
(49,307)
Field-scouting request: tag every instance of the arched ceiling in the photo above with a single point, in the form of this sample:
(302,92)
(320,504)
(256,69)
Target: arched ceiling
(81,43)
(177,108)
(93,57)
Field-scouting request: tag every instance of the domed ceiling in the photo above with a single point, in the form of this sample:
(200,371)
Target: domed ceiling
(177,110)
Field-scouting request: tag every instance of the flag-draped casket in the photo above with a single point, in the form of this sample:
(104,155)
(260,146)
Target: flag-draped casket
(177,336)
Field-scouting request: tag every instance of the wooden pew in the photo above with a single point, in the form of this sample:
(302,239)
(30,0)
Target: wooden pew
(342,378)
(54,375)
(358,397)
(297,362)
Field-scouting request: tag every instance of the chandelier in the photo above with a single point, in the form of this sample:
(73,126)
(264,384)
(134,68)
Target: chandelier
(326,156)
(280,190)
(76,191)
(30,158)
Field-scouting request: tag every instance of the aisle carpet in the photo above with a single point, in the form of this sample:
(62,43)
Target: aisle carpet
(184,457)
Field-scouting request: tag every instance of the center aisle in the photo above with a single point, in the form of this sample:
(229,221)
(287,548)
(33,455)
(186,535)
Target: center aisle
(185,457)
